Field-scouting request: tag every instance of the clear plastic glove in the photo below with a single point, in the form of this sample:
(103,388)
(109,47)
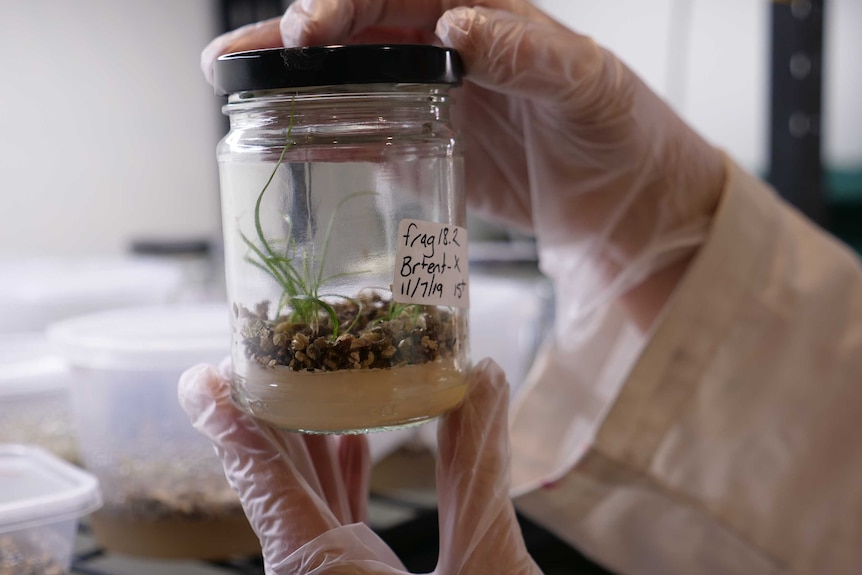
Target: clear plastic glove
(562,140)
(306,496)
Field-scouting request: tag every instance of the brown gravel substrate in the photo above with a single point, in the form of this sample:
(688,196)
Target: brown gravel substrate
(374,333)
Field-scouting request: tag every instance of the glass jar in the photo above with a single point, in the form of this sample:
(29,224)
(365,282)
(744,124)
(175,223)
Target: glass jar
(344,229)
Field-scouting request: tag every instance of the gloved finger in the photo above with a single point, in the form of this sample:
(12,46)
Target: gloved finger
(478,526)
(392,35)
(496,171)
(325,458)
(316,22)
(343,468)
(292,445)
(350,550)
(283,510)
(294,448)
(320,461)
(265,34)
(354,456)
(521,56)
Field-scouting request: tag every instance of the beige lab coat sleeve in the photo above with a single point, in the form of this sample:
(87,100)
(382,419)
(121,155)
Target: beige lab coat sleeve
(732,444)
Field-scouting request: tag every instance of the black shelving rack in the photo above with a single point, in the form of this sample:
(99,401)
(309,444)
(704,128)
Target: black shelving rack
(796,104)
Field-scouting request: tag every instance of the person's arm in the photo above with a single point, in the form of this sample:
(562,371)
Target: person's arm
(672,348)
(733,445)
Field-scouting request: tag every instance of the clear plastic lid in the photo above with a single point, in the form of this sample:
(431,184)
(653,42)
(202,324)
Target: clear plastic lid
(38,488)
(145,338)
(28,365)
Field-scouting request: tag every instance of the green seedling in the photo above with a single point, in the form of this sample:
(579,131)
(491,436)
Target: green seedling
(301,285)
(396,309)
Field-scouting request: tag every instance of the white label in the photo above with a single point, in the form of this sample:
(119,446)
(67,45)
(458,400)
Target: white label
(431,264)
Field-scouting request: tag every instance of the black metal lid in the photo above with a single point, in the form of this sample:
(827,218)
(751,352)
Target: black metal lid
(335,65)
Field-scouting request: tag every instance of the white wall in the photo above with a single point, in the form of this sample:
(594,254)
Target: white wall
(108,128)
(710,59)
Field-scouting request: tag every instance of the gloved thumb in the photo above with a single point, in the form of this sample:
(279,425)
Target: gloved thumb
(261,468)
(479,532)
(522,56)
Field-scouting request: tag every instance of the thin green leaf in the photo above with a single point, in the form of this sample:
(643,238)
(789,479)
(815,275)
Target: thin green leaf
(350,299)
(264,264)
(287,144)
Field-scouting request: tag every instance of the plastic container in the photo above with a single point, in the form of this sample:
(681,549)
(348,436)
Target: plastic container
(34,396)
(35,292)
(42,499)
(345,247)
(165,492)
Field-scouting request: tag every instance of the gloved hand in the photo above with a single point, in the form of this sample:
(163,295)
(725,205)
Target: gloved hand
(561,140)
(306,496)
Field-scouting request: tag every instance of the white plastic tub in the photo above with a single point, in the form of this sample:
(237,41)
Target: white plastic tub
(34,396)
(42,499)
(165,491)
(35,292)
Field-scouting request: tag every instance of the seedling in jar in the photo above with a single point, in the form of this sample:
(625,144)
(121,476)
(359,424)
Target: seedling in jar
(300,284)
(314,330)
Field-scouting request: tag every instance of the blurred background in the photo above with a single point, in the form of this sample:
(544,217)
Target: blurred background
(110,192)
(109,129)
